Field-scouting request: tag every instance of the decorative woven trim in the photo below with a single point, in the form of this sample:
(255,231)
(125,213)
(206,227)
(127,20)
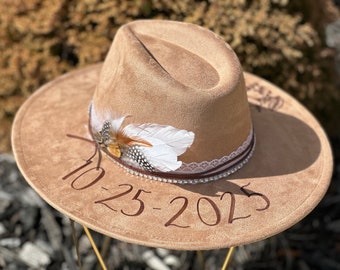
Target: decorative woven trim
(234,162)
(199,167)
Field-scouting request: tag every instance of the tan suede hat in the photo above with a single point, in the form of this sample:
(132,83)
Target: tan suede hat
(169,144)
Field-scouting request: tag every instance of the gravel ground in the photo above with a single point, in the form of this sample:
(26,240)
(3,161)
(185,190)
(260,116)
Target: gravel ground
(35,236)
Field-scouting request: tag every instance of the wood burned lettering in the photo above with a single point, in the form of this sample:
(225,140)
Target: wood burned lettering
(222,211)
(83,177)
(209,212)
(263,97)
(137,201)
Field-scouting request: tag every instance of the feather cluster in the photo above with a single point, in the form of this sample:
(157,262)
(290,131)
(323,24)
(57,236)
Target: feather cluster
(151,147)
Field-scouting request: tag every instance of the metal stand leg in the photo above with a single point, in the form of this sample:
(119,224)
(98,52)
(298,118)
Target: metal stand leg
(107,242)
(99,256)
(228,258)
(76,243)
(104,249)
(93,244)
(200,259)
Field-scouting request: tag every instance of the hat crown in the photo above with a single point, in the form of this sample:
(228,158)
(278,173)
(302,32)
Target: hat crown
(177,74)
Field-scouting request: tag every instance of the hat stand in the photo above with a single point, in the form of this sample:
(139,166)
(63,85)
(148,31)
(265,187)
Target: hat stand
(105,245)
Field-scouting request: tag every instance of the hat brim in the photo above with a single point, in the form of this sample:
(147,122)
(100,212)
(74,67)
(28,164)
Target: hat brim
(285,179)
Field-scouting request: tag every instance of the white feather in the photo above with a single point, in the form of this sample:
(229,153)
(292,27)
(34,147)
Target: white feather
(161,156)
(97,121)
(117,123)
(178,139)
(167,142)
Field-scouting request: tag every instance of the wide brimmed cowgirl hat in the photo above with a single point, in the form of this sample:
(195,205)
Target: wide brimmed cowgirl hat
(170,144)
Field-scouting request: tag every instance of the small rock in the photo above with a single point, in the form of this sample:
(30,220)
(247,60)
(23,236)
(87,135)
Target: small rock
(333,34)
(7,158)
(29,197)
(89,262)
(3,229)
(2,262)
(64,266)
(34,256)
(5,201)
(10,242)
(162,252)
(172,261)
(153,261)
(84,244)
(8,168)
(5,196)
(46,247)
(28,217)
(53,230)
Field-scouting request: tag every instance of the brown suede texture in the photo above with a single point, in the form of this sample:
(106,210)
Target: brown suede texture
(285,179)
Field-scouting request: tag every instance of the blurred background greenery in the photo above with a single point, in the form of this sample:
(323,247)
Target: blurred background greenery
(280,40)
